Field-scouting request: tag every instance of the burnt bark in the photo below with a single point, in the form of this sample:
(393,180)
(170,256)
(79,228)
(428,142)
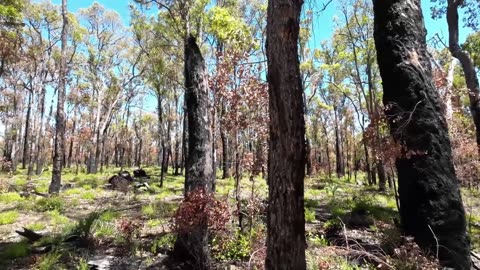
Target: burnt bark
(225,160)
(193,246)
(26,136)
(59,149)
(430,201)
(287,153)
(340,167)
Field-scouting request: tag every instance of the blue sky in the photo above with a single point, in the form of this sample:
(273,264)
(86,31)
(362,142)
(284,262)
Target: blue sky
(323,26)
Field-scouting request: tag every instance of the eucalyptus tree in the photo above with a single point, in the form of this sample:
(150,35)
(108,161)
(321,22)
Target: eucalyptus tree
(11,16)
(41,38)
(59,147)
(431,206)
(161,48)
(111,71)
(287,153)
(186,17)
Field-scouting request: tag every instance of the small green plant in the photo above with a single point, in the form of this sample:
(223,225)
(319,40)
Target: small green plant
(82,265)
(49,204)
(104,230)
(108,216)
(149,210)
(57,218)
(332,189)
(309,215)
(152,223)
(236,247)
(88,196)
(165,242)
(316,240)
(11,197)
(38,226)
(73,191)
(84,227)
(50,260)
(16,250)
(8,217)
(20,182)
(42,188)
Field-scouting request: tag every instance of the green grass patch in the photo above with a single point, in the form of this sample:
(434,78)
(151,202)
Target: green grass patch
(153,223)
(109,216)
(11,197)
(20,181)
(42,188)
(88,196)
(164,242)
(8,217)
(149,211)
(56,218)
(105,230)
(73,191)
(50,261)
(37,226)
(164,194)
(49,204)
(16,250)
(309,215)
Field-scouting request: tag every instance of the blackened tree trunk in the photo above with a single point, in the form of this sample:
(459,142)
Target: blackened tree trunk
(72,136)
(340,167)
(193,246)
(287,153)
(26,136)
(39,136)
(430,201)
(382,176)
(225,160)
(466,62)
(184,139)
(59,148)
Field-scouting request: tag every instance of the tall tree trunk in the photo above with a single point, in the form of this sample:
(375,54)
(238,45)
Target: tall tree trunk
(340,168)
(466,62)
(285,215)
(193,246)
(184,139)
(225,161)
(327,150)
(382,177)
(60,116)
(39,136)
(430,201)
(309,157)
(26,137)
(70,151)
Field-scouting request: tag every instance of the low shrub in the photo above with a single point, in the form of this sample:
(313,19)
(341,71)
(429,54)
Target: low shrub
(49,204)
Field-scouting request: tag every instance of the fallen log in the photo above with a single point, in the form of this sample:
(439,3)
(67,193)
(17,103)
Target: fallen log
(29,234)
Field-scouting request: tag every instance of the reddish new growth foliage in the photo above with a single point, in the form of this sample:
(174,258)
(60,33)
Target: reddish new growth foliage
(200,207)
(129,228)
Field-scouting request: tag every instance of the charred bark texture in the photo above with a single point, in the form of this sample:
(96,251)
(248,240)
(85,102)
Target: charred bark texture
(193,246)
(60,116)
(430,201)
(287,154)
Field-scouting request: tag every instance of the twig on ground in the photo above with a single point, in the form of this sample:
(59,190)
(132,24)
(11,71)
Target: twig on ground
(436,241)
(344,232)
(251,257)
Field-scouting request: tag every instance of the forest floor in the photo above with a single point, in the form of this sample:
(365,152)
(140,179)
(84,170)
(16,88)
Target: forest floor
(348,226)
